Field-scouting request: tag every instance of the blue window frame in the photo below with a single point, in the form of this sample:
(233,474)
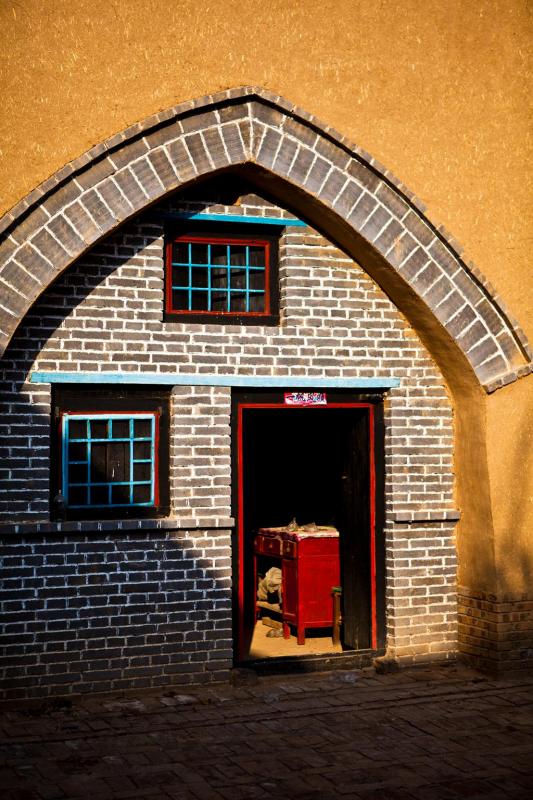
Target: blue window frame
(109,460)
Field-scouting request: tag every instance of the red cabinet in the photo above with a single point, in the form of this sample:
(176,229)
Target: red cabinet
(310,568)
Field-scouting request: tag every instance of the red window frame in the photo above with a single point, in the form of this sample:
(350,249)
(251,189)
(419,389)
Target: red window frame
(206,238)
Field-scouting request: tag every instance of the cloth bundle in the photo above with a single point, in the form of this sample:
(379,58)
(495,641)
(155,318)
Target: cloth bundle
(269,587)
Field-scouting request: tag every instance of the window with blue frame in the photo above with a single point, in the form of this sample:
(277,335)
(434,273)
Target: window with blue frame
(109,460)
(112,454)
(227,274)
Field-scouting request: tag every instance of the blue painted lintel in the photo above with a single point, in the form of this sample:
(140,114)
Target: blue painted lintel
(198,216)
(246,381)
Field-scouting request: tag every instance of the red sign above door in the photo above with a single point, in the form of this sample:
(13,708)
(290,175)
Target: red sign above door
(305,399)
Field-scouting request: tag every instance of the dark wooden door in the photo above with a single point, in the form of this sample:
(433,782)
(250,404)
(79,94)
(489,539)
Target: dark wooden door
(355,537)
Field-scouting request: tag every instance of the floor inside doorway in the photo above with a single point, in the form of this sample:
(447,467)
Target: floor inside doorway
(264,646)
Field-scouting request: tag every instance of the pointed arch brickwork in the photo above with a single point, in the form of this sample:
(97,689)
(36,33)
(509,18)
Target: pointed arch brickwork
(97,192)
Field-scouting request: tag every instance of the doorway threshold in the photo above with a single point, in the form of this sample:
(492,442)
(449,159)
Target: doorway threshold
(350,659)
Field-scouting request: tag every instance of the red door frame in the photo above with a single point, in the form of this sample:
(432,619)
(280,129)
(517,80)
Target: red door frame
(240,506)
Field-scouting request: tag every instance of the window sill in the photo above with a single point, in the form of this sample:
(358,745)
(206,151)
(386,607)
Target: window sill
(110,525)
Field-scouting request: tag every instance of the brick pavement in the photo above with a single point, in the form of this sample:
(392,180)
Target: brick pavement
(422,734)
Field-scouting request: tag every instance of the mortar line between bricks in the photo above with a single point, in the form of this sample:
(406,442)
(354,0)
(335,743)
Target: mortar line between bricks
(264,715)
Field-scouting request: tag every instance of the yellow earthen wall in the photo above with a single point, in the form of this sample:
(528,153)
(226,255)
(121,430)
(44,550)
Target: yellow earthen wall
(437,90)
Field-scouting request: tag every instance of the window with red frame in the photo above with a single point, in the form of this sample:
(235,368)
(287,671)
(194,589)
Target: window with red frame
(227,276)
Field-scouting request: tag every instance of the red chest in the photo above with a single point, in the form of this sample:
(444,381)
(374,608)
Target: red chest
(310,568)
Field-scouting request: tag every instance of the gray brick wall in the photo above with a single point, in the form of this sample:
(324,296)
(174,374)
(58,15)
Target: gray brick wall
(111,612)
(106,313)
(105,187)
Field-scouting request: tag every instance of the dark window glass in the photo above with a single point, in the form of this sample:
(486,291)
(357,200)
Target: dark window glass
(115,466)
(211,275)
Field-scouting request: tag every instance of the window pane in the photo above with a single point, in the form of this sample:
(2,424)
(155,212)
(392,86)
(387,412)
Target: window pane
(237,254)
(257,303)
(121,429)
(180,253)
(219,278)
(141,494)
(77,452)
(256,256)
(142,472)
(77,496)
(77,473)
(257,280)
(199,276)
(120,495)
(180,301)
(99,496)
(98,471)
(99,429)
(238,278)
(143,427)
(77,429)
(238,302)
(198,253)
(118,461)
(219,254)
(219,301)
(198,301)
(142,450)
(180,276)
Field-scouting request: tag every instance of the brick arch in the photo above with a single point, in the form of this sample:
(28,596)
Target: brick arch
(335,185)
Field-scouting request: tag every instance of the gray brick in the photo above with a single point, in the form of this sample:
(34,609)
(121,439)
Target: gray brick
(302,165)
(124,155)
(98,210)
(198,153)
(268,148)
(66,235)
(179,155)
(316,175)
(82,222)
(215,146)
(234,145)
(131,190)
(148,179)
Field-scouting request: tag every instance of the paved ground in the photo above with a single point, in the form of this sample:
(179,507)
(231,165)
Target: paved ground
(426,734)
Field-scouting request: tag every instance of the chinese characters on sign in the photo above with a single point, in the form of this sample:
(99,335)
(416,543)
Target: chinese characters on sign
(305,399)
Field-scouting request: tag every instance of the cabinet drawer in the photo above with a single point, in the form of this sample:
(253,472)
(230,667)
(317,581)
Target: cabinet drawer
(267,546)
(289,549)
(271,547)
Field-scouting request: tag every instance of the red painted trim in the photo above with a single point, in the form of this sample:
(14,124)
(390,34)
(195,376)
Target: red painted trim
(216,240)
(156,460)
(371,463)
(240,507)
(240,533)
(168,278)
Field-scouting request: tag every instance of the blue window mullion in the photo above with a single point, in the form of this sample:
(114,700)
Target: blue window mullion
(89,460)
(247,278)
(209,277)
(132,434)
(228,276)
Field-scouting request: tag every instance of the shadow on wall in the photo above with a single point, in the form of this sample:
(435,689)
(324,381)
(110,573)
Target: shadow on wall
(43,341)
(516,557)
(105,612)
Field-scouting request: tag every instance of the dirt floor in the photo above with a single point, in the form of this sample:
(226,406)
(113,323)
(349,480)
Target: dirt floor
(419,734)
(265,646)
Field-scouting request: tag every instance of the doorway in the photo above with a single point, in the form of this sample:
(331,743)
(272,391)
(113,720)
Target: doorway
(311,466)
